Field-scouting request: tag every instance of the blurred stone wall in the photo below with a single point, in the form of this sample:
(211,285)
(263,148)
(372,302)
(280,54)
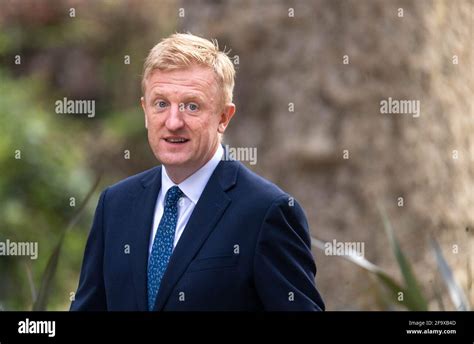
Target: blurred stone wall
(299,60)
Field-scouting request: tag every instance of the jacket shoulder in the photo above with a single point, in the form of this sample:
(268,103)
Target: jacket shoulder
(130,184)
(252,183)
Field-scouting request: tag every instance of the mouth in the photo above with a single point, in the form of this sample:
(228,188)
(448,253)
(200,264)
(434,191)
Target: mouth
(176,140)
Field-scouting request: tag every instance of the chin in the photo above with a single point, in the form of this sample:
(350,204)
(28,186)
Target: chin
(173,160)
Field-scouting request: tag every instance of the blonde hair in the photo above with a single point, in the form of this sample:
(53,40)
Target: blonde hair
(181,50)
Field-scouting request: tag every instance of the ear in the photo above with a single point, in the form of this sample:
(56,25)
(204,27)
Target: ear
(225,117)
(142,100)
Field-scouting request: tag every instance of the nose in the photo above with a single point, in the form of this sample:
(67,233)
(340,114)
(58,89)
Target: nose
(175,120)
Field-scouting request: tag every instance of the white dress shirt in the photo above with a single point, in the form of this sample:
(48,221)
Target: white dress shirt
(192,188)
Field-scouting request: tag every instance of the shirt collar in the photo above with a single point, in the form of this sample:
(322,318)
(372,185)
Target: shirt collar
(194,185)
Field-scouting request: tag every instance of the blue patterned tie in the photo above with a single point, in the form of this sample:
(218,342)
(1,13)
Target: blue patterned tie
(163,244)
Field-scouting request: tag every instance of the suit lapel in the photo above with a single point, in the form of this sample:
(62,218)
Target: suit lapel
(206,214)
(142,217)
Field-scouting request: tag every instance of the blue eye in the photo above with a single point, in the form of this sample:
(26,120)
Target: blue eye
(160,104)
(193,107)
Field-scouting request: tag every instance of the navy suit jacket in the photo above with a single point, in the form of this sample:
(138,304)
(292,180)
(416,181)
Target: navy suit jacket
(246,247)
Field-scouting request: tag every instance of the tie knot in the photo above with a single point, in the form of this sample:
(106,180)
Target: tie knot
(172,196)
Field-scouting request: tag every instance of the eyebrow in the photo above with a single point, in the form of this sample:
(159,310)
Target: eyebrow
(195,96)
(188,95)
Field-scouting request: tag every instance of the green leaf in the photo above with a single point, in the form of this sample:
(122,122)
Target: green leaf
(390,283)
(47,279)
(458,297)
(41,302)
(413,296)
(31,282)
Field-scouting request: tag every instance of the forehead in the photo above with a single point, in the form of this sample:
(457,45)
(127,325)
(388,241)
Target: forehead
(194,79)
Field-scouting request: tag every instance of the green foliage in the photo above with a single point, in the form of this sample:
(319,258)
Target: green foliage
(41,168)
(457,295)
(413,297)
(41,301)
(77,58)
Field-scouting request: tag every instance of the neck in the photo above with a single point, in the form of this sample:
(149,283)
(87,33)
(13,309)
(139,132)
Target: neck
(178,174)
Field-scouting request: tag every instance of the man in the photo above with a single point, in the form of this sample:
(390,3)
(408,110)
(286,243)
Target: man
(197,233)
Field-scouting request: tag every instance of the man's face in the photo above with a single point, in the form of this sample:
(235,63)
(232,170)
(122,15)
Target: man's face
(184,116)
